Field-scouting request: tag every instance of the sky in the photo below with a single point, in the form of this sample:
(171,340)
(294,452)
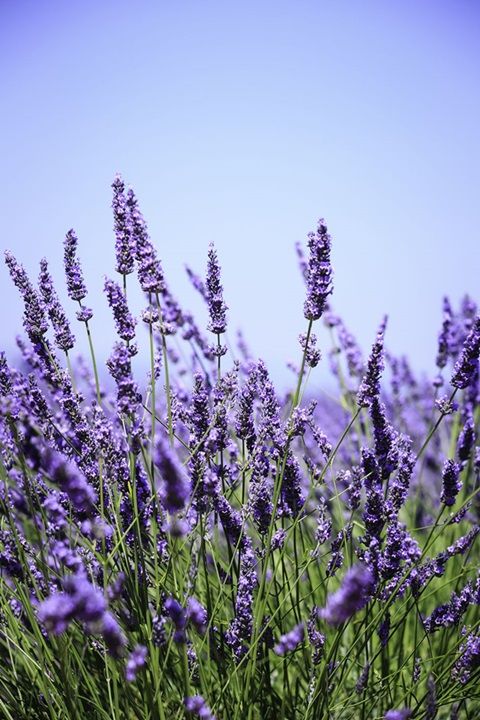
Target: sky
(242,123)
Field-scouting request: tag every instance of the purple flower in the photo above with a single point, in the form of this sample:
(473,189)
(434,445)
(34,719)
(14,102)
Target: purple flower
(64,338)
(73,271)
(178,616)
(240,630)
(175,488)
(196,705)
(468,660)
(34,320)
(374,514)
(370,385)
(197,615)
(316,638)
(451,482)
(363,679)
(150,273)
(466,365)
(466,439)
(319,273)
(290,641)
(124,321)
(444,338)
(312,354)
(403,714)
(353,595)
(83,602)
(120,366)
(135,662)
(216,305)
(124,242)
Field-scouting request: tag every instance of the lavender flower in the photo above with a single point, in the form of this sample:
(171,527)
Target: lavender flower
(466,365)
(73,270)
(353,595)
(178,616)
(216,305)
(312,354)
(370,385)
(175,489)
(150,273)
(34,320)
(64,338)
(403,714)
(83,602)
(124,321)
(135,662)
(466,439)
(468,660)
(119,364)
(290,641)
(197,615)
(362,681)
(240,630)
(196,705)
(451,482)
(319,274)
(124,242)
(316,638)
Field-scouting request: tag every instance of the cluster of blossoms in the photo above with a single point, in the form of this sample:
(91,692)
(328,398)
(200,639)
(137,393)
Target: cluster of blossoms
(230,549)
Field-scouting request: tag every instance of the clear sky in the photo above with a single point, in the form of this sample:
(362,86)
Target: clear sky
(242,123)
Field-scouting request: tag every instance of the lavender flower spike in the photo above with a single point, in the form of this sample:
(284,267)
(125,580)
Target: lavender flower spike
(150,273)
(135,662)
(465,366)
(197,706)
(451,482)
(370,385)
(175,488)
(124,243)
(290,640)
(73,271)
(216,304)
(403,714)
(64,338)
(319,272)
(124,321)
(356,589)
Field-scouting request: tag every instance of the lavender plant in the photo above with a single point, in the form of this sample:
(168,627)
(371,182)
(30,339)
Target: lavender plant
(193,543)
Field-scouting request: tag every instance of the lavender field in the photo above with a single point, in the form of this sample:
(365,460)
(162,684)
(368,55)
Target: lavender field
(187,541)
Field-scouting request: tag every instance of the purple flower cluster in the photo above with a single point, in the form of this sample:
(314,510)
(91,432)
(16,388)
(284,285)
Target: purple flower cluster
(356,590)
(83,602)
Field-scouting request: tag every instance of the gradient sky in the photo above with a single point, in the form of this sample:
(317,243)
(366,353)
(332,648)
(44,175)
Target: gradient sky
(242,123)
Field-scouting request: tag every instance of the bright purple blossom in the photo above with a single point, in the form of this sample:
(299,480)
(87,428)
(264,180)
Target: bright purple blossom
(370,385)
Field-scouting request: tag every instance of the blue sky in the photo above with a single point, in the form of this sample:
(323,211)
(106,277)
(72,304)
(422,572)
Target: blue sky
(242,123)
